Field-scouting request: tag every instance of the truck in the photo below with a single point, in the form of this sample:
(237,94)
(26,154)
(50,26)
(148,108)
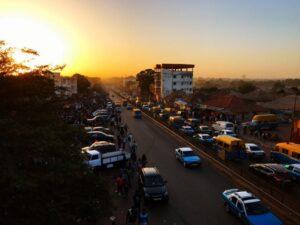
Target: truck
(104,155)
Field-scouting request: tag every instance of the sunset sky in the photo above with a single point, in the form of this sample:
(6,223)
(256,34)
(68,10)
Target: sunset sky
(223,38)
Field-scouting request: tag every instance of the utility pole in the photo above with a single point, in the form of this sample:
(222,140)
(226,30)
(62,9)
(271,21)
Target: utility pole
(293,117)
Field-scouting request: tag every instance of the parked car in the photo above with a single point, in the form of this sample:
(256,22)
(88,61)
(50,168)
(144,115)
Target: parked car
(248,208)
(164,115)
(176,121)
(223,125)
(205,130)
(193,122)
(294,170)
(187,156)
(227,132)
(187,130)
(102,146)
(146,107)
(152,185)
(274,172)
(100,136)
(96,120)
(103,129)
(204,138)
(254,151)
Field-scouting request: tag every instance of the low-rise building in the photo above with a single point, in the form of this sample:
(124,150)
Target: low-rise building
(173,77)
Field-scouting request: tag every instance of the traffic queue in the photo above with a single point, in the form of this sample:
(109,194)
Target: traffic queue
(282,165)
(103,152)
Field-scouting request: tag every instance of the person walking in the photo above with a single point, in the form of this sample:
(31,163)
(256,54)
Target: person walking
(131,215)
(144,160)
(143,218)
(136,198)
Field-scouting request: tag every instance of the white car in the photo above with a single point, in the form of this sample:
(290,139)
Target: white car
(223,125)
(254,151)
(228,132)
(146,107)
(204,138)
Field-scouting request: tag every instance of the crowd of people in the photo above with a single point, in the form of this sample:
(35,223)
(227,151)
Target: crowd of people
(127,177)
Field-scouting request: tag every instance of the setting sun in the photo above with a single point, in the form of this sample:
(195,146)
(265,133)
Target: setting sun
(25,31)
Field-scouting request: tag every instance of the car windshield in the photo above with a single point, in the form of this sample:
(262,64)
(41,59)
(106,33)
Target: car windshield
(229,125)
(188,153)
(153,181)
(204,128)
(229,132)
(255,148)
(206,137)
(255,208)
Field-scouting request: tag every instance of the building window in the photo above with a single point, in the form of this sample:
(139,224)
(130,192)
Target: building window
(174,83)
(174,76)
(191,83)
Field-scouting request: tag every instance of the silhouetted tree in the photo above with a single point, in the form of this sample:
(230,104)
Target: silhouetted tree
(9,66)
(145,79)
(246,87)
(83,83)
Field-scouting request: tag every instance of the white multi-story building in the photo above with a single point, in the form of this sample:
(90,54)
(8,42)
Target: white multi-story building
(173,77)
(66,86)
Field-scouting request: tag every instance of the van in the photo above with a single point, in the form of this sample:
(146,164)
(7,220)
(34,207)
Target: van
(176,121)
(223,125)
(286,153)
(264,121)
(230,148)
(152,185)
(137,113)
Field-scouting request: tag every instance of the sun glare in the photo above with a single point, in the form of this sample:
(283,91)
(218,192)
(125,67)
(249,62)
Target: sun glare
(24,31)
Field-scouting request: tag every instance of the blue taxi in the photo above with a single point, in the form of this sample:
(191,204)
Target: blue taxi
(248,208)
(187,157)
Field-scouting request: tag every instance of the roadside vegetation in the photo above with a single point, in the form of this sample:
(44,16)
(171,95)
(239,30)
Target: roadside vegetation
(42,177)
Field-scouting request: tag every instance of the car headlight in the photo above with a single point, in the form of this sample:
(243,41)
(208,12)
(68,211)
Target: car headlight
(166,193)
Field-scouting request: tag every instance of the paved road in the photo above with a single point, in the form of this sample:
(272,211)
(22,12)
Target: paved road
(195,194)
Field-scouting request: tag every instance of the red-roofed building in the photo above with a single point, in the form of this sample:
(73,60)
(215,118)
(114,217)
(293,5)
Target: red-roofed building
(231,105)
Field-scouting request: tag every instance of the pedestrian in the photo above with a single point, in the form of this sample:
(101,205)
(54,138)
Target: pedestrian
(119,182)
(122,131)
(144,160)
(124,143)
(143,218)
(136,198)
(119,140)
(131,215)
(125,128)
(133,156)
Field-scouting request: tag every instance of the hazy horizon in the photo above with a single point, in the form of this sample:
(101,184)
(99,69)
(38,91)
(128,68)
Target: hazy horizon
(224,39)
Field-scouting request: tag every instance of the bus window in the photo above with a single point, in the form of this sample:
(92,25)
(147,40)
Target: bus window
(296,155)
(285,151)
